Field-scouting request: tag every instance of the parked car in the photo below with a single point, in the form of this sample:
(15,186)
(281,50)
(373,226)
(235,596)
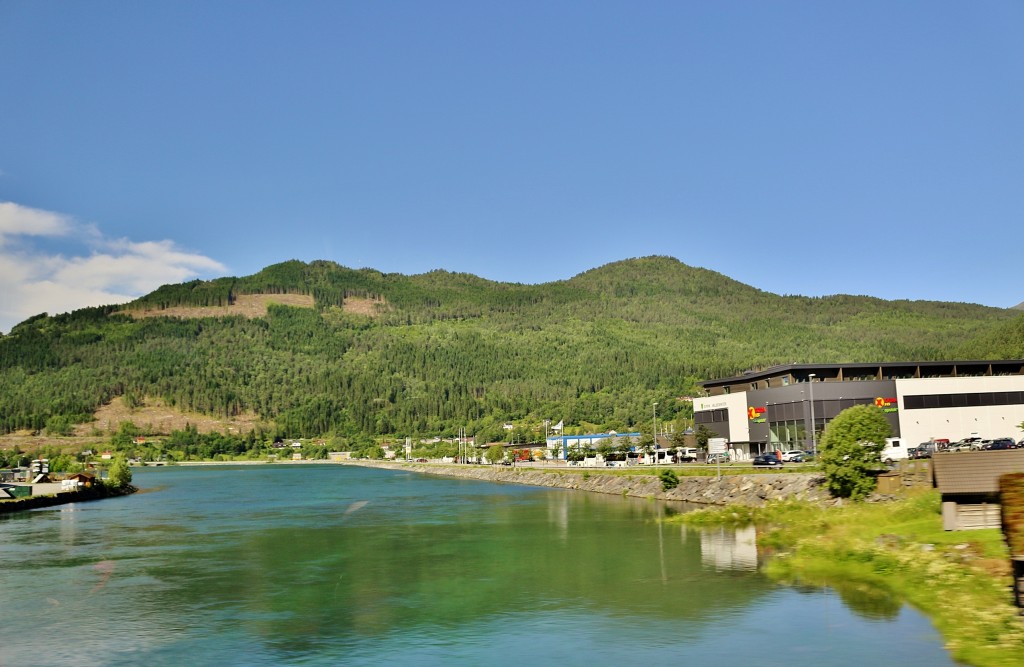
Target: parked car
(965,445)
(718,458)
(1000,443)
(795,456)
(925,450)
(766,461)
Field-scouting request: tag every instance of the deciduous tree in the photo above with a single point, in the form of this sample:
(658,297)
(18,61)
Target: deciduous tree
(120,475)
(851,450)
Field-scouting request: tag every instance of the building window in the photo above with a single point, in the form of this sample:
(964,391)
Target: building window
(966,400)
(711,416)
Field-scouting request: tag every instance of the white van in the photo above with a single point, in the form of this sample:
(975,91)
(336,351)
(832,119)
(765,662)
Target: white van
(894,451)
(687,454)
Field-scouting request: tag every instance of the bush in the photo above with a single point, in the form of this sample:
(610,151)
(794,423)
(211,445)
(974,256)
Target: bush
(851,450)
(120,475)
(669,479)
(59,425)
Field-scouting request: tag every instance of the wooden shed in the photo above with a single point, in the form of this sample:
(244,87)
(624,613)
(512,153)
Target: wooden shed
(969,484)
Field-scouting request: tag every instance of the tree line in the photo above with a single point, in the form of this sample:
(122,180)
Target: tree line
(451,350)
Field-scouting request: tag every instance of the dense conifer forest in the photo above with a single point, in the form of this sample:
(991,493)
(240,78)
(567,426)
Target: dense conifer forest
(440,351)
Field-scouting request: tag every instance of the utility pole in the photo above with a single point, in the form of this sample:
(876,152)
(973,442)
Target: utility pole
(814,438)
(654,410)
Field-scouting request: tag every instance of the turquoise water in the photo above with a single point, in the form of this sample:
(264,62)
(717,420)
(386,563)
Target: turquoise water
(331,565)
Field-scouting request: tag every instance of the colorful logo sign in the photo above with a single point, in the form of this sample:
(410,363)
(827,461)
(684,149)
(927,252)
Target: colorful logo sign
(756,415)
(886,404)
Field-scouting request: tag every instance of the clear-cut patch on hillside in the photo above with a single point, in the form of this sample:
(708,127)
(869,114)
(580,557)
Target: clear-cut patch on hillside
(360,306)
(247,305)
(155,416)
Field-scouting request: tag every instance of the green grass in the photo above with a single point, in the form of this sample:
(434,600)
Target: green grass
(878,555)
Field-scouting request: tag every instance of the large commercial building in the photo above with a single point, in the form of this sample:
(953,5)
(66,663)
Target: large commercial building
(772,408)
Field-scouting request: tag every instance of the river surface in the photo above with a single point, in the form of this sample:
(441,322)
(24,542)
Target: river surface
(339,565)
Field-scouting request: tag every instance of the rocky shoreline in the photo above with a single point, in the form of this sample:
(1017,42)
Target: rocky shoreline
(749,490)
(64,498)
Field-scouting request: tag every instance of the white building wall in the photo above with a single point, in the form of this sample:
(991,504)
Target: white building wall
(991,421)
(739,424)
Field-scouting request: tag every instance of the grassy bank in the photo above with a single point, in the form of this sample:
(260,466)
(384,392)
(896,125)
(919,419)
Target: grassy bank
(878,555)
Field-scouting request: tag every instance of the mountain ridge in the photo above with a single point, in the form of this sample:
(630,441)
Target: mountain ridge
(436,351)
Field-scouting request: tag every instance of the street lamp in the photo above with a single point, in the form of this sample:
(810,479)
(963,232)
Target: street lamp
(814,439)
(654,410)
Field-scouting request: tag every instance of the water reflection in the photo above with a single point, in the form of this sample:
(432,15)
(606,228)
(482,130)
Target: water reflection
(325,565)
(727,548)
(871,601)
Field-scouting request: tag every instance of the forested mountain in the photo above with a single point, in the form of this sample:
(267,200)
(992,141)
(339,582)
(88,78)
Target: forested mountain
(394,354)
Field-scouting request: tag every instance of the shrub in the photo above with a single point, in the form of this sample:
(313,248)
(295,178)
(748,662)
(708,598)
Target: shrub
(669,479)
(851,450)
(120,475)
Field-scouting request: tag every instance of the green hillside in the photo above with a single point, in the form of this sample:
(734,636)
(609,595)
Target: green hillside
(446,350)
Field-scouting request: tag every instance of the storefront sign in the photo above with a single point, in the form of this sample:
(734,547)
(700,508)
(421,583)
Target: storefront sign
(886,404)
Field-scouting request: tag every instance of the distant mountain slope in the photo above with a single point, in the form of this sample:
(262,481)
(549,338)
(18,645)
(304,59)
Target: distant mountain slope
(432,352)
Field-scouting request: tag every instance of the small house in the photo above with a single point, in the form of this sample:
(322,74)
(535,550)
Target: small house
(969,485)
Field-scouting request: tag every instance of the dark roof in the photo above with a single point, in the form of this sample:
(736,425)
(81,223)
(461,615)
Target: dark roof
(966,367)
(975,472)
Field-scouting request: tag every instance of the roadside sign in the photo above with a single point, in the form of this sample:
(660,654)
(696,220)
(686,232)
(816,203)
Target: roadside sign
(718,446)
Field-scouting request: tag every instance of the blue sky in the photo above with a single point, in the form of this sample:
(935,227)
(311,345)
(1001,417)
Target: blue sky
(800,147)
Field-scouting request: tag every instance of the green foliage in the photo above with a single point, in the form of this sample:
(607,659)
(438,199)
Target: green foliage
(669,479)
(435,450)
(120,475)
(64,463)
(452,350)
(703,434)
(13,458)
(678,438)
(851,450)
(1005,340)
(188,444)
(59,425)
(495,453)
(872,555)
(125,436)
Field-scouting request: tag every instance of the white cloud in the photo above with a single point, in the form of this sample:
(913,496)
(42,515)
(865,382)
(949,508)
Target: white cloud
(95,271)
(16,219)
